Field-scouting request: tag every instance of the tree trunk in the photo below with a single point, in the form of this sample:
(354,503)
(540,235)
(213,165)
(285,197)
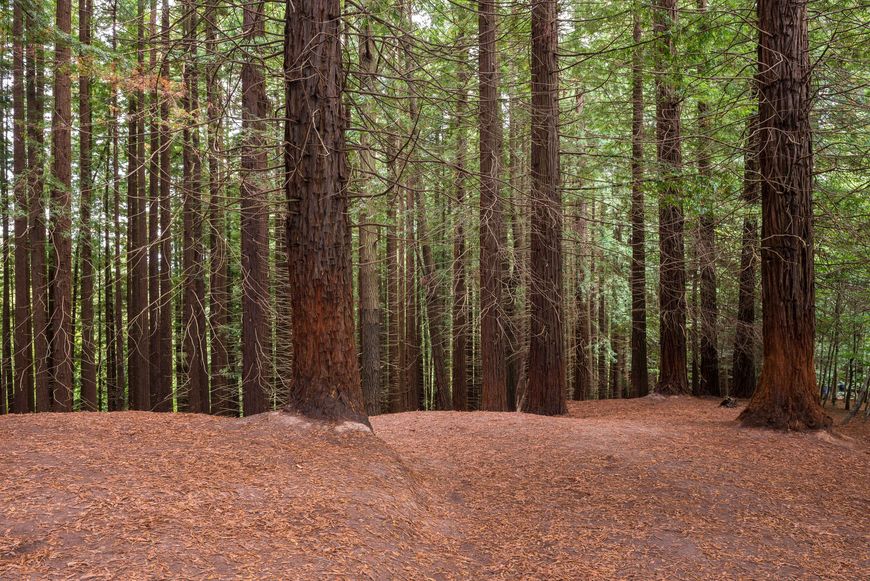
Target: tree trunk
(673,379)
(157,390)
(492,237)
(163,388)
(639,363)
(255,243)
(39,281)
(23,339)
(89,399)
(460,260)
(743,367)
(137,253)
(583,328)
(223,399)
(786,394)
(326,379)
(546,387)
(369,282)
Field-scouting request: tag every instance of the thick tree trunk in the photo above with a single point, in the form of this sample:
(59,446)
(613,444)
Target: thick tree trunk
(786,396)
(639,363)
(326,379)
(546,387)
(88,367)
(256,346)
(673,379)
(492,236)
(23,338)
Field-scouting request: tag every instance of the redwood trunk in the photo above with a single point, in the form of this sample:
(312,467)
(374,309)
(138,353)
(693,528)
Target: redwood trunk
(673,378)
(639,363)
(546,367)
(256,347)
(326,379)
(492,236)
(786,396)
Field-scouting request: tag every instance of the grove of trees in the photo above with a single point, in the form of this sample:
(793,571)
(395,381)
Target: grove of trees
(354,207)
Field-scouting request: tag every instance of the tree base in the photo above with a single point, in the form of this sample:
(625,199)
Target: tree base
(784,409)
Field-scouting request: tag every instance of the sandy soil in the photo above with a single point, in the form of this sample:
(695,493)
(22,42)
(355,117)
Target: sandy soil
(639,489)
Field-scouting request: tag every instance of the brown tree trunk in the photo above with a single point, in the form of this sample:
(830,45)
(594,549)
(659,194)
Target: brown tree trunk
(460,260)
(326,379)
(583,329)
(673,379)
(89,399)
(369,282)
(222,396)
(639,363)
(546,367)
(61,209)
(117,400)
(786,396)
(23,339)
(158,394)
(137,253)
(255,217)
(394,300)
(743,367)
(492,236)
(163,388)
(39,281)
(6,379)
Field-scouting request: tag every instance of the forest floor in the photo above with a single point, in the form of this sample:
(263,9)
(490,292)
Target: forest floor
(643,489)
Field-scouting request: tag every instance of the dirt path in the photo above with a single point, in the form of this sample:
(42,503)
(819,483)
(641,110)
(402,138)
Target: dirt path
(637,489)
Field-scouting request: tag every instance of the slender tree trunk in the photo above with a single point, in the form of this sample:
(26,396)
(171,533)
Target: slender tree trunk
(395,324)
(786,394)
(460,260)
(546,387)
(583,328)
(23,338)
(492,237)
(6,377)
(743,367)
(639,363)
(137,253)
(163,388)
(326,379)
(673,379)
(222,397)
(88,367)
(369,282)
(158,391)
(36,226)
(255,244)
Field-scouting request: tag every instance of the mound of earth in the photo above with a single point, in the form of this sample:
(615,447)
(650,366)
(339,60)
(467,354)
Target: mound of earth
(644,489)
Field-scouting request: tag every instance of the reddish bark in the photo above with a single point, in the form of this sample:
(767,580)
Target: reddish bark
(786,396)
(326,379)
(546,379)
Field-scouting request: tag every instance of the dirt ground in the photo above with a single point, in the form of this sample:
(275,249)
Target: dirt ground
(639,489)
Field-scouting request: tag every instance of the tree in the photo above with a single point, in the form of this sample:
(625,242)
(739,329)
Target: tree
(785,397)
(255,265)
(326,379)
(639,369)
(87,365)
(546,368)
(369,283)
(23,363)
(460,259)
(673,379)
(492,236)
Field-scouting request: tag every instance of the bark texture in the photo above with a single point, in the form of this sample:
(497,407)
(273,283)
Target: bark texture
(786,395)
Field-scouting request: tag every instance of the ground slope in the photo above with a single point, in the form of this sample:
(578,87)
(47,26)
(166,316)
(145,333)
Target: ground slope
(640,489)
